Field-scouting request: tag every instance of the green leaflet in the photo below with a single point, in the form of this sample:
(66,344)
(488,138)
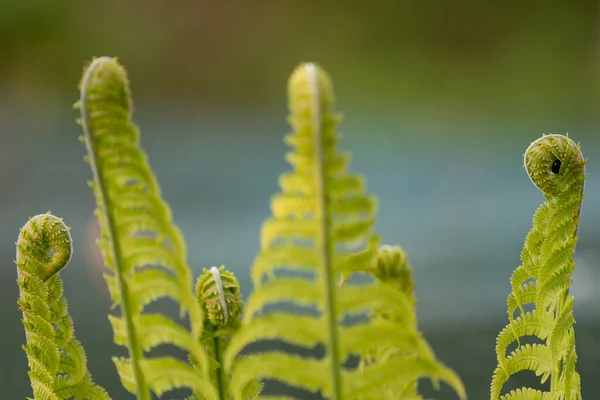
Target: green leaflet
(556,166)
(139,242)
(57,361)
(321,228)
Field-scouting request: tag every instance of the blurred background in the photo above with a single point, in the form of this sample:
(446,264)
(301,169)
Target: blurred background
(441,100)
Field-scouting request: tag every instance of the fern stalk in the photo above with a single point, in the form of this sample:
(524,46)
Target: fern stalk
(135,350)
(324,242)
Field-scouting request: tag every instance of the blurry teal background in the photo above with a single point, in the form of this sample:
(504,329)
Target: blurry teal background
(441,100)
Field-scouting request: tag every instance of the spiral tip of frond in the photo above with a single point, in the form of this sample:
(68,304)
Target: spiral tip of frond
(391,264)
(553,163)
(44,246)
(218,292)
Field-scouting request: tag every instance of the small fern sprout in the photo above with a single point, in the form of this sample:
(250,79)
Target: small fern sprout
(556,166)
(218,293)
(390,266)
(57,361)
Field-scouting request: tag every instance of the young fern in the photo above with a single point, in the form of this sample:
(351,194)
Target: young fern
(139,242)
(320,222)
(390,265)
(218,292)
(556,166)
(57,361)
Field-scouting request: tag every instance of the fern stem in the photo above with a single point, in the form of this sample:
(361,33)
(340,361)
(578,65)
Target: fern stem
(136,353)
(324,242)
(216,342)
(219,372)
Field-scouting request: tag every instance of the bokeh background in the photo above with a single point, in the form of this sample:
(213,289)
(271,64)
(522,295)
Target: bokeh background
(441,99)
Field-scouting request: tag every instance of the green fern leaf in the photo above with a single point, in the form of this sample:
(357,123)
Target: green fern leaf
(556,166)
(139,242)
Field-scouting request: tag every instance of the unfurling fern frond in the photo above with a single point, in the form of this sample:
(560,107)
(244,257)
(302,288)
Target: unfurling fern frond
(556,166)
(57,362)
(322,222)
(390,266)
(139,242)
(218,292)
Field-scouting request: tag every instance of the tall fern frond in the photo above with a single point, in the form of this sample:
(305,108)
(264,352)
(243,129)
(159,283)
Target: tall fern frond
(322,222)
(57,361)
(556,166)
(139,242)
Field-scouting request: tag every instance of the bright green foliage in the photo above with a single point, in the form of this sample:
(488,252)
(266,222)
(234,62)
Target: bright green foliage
(57,362)
(556,166)
(406,347)
(139,242)
(321,229)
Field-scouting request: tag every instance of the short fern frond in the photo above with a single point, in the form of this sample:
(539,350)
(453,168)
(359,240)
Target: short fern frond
(556,166)
(139,242)
(321,228)
(406,347)
(57,361)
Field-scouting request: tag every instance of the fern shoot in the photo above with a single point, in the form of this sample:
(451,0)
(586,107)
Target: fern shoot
(218,292)
(556,166)
(390,266)
(139,242)
(320,226)
(57,361)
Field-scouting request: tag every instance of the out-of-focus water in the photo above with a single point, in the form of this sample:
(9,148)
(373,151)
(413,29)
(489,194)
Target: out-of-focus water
(458,202)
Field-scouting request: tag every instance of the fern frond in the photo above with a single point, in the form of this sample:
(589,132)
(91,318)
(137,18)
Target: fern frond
(556,166)
(57,361)
(139,242)
(321,229)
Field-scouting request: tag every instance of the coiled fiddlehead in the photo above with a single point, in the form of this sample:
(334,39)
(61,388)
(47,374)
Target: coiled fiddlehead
(139,242)
(57,362)
(320,220)
(218,292)
(556,166)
